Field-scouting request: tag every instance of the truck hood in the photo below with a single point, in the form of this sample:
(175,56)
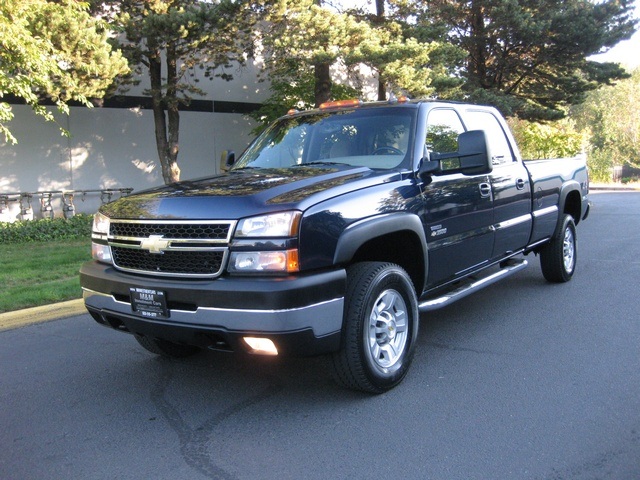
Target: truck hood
(247,192)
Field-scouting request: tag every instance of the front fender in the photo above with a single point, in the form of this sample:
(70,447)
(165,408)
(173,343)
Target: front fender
(363,231)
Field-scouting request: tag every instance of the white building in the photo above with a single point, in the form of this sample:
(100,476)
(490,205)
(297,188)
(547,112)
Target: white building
(113,147)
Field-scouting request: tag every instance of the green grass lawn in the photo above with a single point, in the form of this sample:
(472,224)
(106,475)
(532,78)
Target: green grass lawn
(39,273)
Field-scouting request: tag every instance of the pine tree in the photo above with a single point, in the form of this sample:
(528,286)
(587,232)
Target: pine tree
(310,48)
(56,51)
(529,57)
(168,40)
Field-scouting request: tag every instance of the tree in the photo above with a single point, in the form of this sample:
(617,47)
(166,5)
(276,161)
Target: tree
(171,40)
(307,47)
(547,140)
(380,19)
(609,117)
(529,57)
(55,50)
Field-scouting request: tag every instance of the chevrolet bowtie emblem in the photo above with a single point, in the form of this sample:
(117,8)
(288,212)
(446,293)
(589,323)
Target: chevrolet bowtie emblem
(155,244)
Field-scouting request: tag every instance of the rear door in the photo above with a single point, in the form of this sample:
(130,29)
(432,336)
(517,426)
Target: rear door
(509,185)
(458,212)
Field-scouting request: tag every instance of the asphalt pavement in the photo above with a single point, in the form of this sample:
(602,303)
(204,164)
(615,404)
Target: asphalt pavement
(524,380)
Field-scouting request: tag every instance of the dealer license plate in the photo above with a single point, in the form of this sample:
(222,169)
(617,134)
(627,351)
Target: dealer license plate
(149,303)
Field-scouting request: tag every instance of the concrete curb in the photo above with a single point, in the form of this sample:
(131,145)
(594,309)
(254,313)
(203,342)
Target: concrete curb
(45,313)
(613,187)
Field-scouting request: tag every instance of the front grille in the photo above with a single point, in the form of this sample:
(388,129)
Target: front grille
(181,263)
(197,231)
(180,248)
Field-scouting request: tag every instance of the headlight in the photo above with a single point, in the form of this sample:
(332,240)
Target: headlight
(100,250)
(101,224)
(284,224)
(264,262)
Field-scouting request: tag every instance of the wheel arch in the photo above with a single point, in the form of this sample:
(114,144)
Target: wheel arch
(571,201)
(397,238)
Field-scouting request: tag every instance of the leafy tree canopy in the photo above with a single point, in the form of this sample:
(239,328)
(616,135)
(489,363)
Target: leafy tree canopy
(169,41)
(610,118)
(56,50)
(549,140)
(528,57)
(298,37)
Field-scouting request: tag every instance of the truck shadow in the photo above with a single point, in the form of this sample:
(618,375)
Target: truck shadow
(211,397)
(451,328)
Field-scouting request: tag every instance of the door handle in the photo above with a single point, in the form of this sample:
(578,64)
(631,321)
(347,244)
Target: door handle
(520,184)
(485,190)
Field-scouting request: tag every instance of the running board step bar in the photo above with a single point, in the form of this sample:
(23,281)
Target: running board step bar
(473,285)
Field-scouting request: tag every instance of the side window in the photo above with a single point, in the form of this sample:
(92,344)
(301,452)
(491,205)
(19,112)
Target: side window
(499,144)
(443,128)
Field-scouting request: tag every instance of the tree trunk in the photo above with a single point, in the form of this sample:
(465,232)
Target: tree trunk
(477,57)
(322,77)
(323,83)
(173,113)
(166,135)
(382,88)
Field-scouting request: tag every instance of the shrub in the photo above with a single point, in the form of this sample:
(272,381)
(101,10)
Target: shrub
(45,230)
(600,166)
(551,140)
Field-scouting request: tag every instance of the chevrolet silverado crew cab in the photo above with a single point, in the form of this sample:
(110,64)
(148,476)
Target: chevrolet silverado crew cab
(331,233)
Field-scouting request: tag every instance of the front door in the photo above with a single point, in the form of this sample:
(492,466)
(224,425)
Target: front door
(458,211)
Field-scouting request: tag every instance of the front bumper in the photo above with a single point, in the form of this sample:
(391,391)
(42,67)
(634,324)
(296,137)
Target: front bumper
(302,315)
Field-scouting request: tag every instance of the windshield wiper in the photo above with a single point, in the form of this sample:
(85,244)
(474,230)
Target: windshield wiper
(319,162)
(243,168)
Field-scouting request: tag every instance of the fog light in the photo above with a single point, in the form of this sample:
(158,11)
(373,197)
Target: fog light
(102,253)
(261,346)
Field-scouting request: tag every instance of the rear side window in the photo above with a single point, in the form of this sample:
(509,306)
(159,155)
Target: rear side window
(501,153)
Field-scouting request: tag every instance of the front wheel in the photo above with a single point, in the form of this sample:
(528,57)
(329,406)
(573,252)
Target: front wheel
(380,328)
(558,257)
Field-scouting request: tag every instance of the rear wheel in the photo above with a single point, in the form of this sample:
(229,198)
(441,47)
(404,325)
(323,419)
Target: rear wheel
(380,328)
(558,257)
(165,347)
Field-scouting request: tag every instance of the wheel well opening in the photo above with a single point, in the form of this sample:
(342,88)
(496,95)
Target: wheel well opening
(572,206)
(401,248)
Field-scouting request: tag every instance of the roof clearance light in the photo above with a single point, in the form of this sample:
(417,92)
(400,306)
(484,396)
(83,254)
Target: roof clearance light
(292,111)
(340,104)
(400,99)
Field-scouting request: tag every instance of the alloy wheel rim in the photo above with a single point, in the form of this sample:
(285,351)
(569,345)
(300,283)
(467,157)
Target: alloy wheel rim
(387,331)
(568,251)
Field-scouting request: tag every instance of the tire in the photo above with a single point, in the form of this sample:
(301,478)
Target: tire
(166,348)
(380,328)
(558,258)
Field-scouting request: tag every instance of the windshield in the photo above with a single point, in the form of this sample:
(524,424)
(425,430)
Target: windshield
(374,138)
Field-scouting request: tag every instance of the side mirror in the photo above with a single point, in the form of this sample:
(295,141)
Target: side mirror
(472,157)
(227,159)
(474,153)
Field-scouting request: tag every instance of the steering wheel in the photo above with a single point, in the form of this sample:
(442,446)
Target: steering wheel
(387,148)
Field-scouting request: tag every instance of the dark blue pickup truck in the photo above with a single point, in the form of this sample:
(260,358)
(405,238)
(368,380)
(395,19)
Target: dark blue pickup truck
(331,233)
